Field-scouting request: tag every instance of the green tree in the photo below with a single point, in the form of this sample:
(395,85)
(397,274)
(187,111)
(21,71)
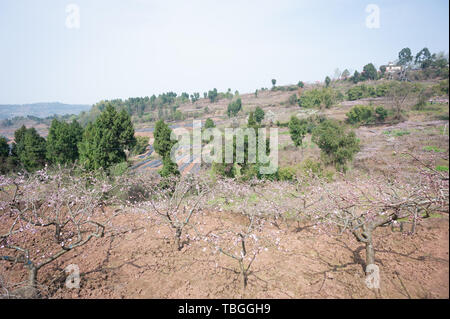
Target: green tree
(213,95)
(327,81)
(209,123)
(251,120)
(141,145)
(163,144)
(105,141)
(169,168)
(5,159)
(337,146)
(300,84)
(356,77)
(370,72)
(345,74)
(405,57)
(298,130)
(259,115)
(4,147)
(29,148)
(423,58)
(274,82)
(62,142)
(234,107)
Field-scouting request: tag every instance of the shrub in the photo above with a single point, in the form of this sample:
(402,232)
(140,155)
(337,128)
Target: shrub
(292,99)
(118,169)
(319,97)
(286,173)
(362,114)
(381,113)
(337,145)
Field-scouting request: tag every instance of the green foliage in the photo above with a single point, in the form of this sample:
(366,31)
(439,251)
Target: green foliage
(381,113)
(105,141)
(209,123)
(356,77)
(327,81)
(29,148)
(286,174)
(397,133)
(423,58)
(213,95)
(6,161)
(259,115)
(442,168)
(434,149)
(300,84)
(318,98)
(345,74)
(62,142)
(405,57)
(362,114)
(4,147)
(274,82)
(169,167)
(163,144)
(369,72)
(337,145)
(141,145)
(195,97)
(441,88)
(118,169)
(234,107)
(292,99)
(297,130)
(251,120)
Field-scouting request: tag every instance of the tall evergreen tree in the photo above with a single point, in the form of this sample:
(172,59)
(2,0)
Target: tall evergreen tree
(259,115)
(29,148)
(62,141)
(104,142)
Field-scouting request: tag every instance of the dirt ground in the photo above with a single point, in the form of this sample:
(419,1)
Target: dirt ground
(139,260)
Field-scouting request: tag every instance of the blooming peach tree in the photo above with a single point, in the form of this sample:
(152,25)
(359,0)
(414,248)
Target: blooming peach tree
(57,209)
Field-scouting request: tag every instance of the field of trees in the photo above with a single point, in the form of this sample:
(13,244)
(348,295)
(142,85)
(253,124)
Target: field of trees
(362,182)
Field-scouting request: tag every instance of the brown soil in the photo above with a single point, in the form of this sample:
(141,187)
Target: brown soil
(139,260)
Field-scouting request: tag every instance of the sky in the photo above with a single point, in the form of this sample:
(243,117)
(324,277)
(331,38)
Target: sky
(134,48)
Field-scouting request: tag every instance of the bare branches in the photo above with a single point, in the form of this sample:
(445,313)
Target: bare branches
(66,200)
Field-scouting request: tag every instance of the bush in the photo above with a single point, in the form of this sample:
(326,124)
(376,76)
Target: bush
(118,169)
(286,174)
(293,99)
(326,97)
(362,114)
(141,145)
(336,144)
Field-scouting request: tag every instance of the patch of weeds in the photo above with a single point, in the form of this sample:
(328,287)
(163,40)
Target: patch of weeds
(397,133)
(442,168)
(433,149)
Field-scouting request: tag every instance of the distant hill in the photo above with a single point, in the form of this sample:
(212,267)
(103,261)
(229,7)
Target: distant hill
(41,110)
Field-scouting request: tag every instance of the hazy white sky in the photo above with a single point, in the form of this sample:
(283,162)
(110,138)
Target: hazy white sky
(129,48)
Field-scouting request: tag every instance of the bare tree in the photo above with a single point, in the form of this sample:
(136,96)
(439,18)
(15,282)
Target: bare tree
(362,208)
(173,201)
